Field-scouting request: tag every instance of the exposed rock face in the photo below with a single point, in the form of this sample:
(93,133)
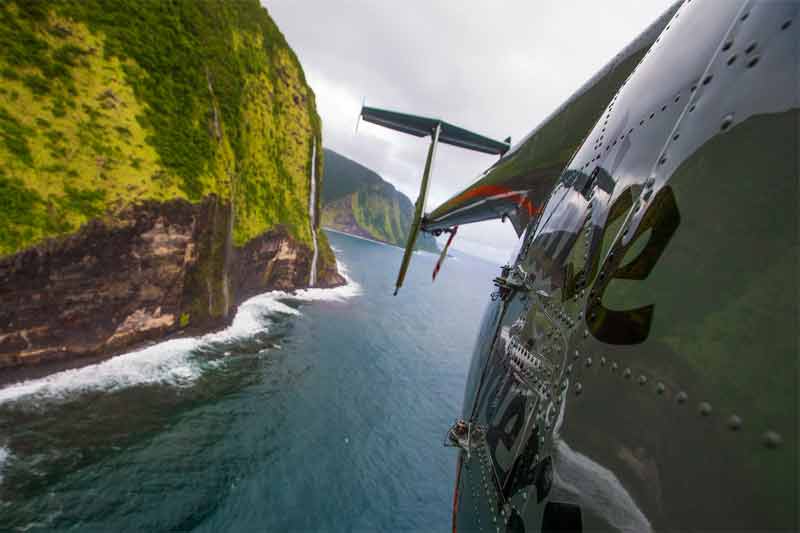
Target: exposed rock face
(154,270)
(276,261)
(159,163)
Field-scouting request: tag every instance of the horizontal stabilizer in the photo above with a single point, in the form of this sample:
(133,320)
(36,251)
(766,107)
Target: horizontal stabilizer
(517,186)
(423,126)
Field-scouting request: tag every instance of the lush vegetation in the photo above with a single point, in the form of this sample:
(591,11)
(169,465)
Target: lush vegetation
(104,103)
(374,204)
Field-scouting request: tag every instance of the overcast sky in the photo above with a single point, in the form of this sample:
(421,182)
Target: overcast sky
(496,68)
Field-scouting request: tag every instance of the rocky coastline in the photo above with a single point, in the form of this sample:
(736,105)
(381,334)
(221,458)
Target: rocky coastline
(153,271)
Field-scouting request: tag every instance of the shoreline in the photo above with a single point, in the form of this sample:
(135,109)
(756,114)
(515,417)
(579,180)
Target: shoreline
(16,375)
(360,237)
(377,242)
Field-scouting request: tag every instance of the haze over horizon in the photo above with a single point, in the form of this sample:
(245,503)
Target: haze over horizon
(498,72)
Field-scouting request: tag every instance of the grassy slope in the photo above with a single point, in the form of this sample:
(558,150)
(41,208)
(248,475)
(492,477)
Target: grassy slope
(105,103)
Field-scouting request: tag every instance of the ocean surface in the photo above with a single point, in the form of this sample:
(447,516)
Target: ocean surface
(322,410)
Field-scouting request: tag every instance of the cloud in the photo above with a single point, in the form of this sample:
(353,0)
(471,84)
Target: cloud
(495,68)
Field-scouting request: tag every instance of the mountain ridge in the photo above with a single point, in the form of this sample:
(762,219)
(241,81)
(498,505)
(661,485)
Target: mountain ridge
(358,201)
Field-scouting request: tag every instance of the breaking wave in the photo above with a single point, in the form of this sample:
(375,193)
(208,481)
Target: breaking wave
(172,362)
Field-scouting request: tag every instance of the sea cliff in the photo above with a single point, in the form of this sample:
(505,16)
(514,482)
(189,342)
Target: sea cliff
(159,163)
(356,200)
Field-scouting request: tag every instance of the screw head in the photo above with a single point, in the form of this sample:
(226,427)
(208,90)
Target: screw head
(772,440)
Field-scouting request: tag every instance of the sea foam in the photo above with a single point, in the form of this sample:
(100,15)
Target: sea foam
(171,362)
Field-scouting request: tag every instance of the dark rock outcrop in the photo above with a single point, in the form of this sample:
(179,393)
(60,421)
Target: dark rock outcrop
(155,269)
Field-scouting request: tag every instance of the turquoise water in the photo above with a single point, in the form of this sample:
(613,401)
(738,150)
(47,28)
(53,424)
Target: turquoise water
(321,411)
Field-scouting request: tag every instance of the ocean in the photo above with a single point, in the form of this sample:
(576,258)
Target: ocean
(322,410)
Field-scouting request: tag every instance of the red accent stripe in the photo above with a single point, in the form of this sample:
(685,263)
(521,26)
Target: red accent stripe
(455,495)
(444,253)
(485,191)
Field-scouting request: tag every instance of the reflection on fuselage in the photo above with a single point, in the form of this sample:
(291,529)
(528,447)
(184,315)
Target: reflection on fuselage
(596,489)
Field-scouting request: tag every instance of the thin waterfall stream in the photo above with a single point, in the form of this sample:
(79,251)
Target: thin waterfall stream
(312,214)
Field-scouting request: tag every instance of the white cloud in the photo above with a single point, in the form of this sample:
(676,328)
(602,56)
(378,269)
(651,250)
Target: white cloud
(495,68)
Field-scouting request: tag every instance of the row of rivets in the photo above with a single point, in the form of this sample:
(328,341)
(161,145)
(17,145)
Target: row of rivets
(770,439)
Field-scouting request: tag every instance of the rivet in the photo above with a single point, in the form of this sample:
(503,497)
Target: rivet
(614,367)
(662,160)
(750,48)
(641,122)
(753,62)
(732,60)
(642,380)
(578,389)
(627,373)
(726,122)
(744,16)
(588,361)
(708,79)
(675,137)
(772,439)
(585,333)
(677,98)
(704,408)
(734,423)
(660,388)
(663,108)
(727,46)
(693,88)
(692,108)
(602,361)
(786,24)
(652,115)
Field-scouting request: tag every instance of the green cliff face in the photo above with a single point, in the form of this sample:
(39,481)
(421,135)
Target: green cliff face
(106,104)
(156,160)
(356,200)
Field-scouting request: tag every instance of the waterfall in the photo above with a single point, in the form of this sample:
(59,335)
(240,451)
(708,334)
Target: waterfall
(312,213)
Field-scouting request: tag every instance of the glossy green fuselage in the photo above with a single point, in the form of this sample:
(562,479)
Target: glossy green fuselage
(637,368)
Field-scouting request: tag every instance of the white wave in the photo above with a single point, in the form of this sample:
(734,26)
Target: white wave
(250,317)
(171,362)
(336,294)
(167,362)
